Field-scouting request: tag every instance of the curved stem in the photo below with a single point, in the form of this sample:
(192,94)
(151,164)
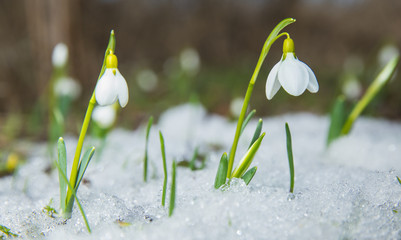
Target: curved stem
(77,156)
(274,35)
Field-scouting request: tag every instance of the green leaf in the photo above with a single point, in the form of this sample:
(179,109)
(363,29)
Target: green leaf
(398,179)
(247,159)
(290,157)
(164,168)
(192,162)
(221,174)
(75,196)
(62,161)
(246,121)
(258,130)
(337,119)
(145,160)
(247,177)
(83,165)
(381,79)
(172,190)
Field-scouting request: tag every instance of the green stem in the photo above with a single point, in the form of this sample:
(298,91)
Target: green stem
(381,79)
(77,156)
(274,35)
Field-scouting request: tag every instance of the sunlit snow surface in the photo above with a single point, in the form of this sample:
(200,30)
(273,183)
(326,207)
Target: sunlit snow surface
(348,191)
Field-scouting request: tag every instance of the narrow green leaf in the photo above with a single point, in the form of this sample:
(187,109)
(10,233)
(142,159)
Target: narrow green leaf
(247,177)
(62,161)
(247,159)
(247,119)
(221,174)
(337,119)
(290,157)
(7,232)
(83,165)
(145,160)
(381,79)
(192,162)
(75,196)
(164,168)
(172,190)
(258,130)
(399,180)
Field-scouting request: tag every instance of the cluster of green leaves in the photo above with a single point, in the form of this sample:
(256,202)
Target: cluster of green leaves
(7,232)
(67,203)
(241,170)
(341,121)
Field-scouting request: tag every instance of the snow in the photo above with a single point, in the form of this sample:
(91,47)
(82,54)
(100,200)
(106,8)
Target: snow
(346,191)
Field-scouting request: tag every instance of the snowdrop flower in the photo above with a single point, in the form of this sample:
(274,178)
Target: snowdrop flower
(60,55)
(104,116)
(294,75)
(68,87)
(112,85)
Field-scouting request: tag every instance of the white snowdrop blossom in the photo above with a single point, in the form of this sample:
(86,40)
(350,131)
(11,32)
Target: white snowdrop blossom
(104,116)
(68,87)
(60,55)
(290,73)
(112,85)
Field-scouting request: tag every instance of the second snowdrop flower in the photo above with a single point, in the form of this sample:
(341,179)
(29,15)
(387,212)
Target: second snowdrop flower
(294,75)
(112,85)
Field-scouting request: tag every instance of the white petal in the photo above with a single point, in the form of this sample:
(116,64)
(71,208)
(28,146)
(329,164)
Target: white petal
(293,76)
(313,85)
(122,89)
(105,91)
(272,83)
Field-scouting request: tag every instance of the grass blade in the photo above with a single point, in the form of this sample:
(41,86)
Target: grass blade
(62,161)
(247,119)
(164,168)
(247,177)
(381,79)
(221,174)
(192,162)
(258,130)
(172,190)
(75,196)
(337,119)
(83,165)
(290,157)
(247,159)
(145,160)
(398,179)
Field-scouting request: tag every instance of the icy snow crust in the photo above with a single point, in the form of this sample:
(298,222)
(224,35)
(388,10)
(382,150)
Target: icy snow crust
(348,191)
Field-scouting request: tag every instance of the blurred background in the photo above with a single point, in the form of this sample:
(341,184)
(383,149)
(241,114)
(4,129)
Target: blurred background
(203,51)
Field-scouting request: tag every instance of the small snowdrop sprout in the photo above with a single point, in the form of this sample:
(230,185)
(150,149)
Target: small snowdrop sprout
(104,116)
(60,55)
(290,73)
(67,87)
(112,85)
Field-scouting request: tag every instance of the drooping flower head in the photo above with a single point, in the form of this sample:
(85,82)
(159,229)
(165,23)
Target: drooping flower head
(112,85)
(290,73)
